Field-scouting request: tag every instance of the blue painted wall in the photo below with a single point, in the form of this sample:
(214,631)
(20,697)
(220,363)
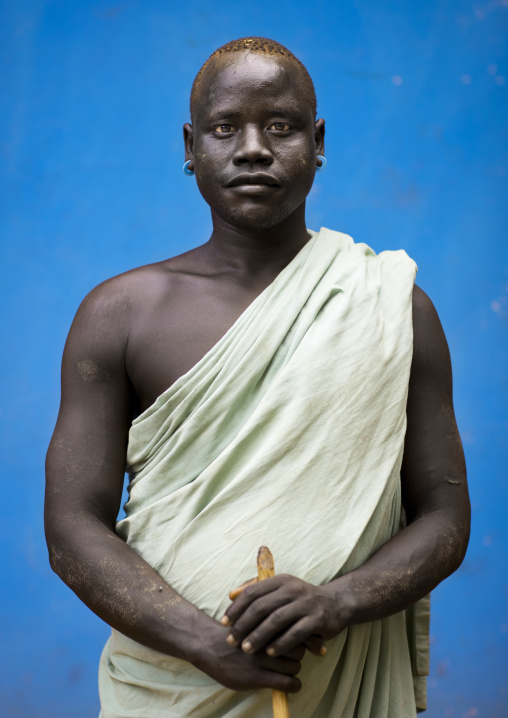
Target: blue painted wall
(93,98)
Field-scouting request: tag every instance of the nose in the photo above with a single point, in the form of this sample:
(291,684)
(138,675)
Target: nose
(252,148)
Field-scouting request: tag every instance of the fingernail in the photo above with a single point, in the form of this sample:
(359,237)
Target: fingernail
(225,621)
(271,652)
(231,640)
(247,647)
(322,650)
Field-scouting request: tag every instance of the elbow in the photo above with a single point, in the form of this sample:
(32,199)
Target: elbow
(447,539)
(58,534)
(55,558)
(461,530)
(64,560)
(73,539)
(455,543)
(56,550)
(462,542)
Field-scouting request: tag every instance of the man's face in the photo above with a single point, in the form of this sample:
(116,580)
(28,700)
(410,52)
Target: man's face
(254,141)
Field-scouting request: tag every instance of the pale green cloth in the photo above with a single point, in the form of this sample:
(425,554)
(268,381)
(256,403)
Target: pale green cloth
(288,433)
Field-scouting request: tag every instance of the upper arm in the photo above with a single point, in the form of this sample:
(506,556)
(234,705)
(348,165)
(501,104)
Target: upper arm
(86,458)
(433,469)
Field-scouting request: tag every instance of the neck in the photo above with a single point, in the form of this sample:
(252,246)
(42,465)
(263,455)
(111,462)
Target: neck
(252,252)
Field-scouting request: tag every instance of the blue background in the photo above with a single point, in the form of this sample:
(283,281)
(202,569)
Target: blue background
(93,99)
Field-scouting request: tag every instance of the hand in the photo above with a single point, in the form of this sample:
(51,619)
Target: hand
(239,671)
(314,643)
(280,613)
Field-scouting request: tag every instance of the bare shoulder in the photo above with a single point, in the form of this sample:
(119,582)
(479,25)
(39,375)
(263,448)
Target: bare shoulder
(112,303)
(431,356)
(100,332)
(119,294)
(424,311)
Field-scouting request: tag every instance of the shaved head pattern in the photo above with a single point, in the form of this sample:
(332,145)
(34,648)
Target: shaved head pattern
(264,46)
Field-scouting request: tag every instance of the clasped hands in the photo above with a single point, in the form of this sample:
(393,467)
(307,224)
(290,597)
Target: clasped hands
(274,622)
(280,614)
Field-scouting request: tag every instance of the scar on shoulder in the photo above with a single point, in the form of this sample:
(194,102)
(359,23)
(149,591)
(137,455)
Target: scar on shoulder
(90,371)
(453,481)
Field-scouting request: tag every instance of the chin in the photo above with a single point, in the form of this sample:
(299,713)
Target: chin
(255,217)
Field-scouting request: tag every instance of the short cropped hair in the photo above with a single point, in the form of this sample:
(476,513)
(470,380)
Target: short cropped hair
(261,45)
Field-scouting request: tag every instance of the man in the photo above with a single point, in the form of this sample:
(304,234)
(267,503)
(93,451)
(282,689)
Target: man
(259,386)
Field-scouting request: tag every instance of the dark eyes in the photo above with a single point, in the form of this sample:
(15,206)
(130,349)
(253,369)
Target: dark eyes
(280,126)
(224,129)
(227,129)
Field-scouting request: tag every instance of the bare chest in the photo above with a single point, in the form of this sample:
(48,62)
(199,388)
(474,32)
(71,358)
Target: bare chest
(173,333)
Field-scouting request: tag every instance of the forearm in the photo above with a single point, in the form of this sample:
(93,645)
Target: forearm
(403,570)
(123,590)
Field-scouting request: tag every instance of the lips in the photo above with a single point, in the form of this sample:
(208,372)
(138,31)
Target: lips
(254,179)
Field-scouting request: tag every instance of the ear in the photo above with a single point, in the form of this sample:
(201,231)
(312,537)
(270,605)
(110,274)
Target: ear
(319,136)
(188,140)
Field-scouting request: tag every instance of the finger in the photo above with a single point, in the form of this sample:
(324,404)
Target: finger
(261,676)
(254,615)
(281,664)
(315,645)
(251,593)
(240,589)
(296,653)
(277,673)
(299,632)
(278,682)
(276,623)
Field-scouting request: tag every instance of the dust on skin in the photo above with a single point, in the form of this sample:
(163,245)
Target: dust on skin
(389,585)
(127,609)
(102,313)
(90,371)
(73,464)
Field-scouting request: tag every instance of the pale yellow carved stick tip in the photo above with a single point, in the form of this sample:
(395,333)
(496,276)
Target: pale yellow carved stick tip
(266,569)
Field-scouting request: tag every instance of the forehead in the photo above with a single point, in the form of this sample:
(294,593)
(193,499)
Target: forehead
(249,77)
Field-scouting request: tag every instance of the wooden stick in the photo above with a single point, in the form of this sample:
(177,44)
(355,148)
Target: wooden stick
(266,569)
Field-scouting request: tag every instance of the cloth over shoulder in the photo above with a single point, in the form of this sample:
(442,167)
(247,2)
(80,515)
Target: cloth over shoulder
(288,433)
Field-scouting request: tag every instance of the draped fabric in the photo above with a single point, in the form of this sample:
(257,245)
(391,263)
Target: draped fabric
(288,433)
